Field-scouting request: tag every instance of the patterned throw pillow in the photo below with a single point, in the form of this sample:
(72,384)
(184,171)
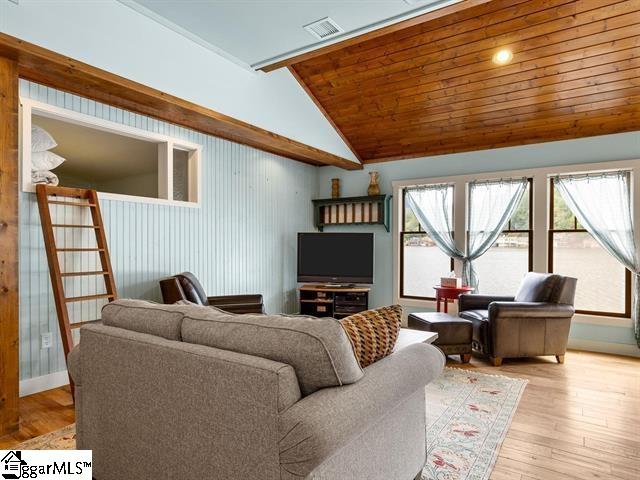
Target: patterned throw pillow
(373,333)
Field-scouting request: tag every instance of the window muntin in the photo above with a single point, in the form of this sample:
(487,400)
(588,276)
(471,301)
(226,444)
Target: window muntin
(501,268)
(604,285)
(422,263)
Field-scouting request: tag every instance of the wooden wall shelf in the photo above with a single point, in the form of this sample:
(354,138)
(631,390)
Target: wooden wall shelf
(370,210)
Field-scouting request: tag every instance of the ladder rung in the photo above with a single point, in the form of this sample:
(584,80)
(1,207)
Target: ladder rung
(80,274)
(88,297)
(79,324)
(68,225)
(73,204)
(80,249)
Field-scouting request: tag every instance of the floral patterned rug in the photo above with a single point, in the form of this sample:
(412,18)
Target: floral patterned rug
(63,439)
(468,416)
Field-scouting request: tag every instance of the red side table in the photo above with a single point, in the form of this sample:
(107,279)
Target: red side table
(449,293)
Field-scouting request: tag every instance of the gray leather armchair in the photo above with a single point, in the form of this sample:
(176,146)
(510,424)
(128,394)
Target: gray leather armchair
(534,322)
(185,286)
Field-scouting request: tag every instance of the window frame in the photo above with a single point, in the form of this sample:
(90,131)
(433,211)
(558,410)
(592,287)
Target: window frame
(166,145)
(402,234)
(552,231)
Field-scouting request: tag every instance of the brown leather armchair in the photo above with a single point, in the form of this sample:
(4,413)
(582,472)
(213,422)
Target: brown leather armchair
(534,322)
(185,286)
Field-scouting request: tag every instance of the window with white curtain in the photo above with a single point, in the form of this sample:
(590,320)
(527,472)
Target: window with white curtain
(422,263)
(503,266)
(604,284)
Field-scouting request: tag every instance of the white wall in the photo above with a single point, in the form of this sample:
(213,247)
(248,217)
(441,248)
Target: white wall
(116,38)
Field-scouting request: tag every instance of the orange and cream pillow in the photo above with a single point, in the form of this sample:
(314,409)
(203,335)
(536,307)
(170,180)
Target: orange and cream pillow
(373,333)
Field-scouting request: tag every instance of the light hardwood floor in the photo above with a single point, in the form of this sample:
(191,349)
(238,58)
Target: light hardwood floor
(577,421)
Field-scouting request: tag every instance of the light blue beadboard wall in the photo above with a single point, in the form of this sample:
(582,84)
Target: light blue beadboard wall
(241,240)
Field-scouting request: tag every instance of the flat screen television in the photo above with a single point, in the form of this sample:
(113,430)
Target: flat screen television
(335,257)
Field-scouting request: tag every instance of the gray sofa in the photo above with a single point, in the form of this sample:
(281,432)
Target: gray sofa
(168,391)
(534,322)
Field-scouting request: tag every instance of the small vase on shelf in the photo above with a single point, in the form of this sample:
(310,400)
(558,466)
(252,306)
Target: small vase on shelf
(335,188)
(374,188)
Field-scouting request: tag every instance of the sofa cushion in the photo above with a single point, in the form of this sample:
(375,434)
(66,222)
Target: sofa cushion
(317,348)
(146,317)
(373,333)
(537,287)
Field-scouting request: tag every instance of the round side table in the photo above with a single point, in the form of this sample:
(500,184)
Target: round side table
(449,293)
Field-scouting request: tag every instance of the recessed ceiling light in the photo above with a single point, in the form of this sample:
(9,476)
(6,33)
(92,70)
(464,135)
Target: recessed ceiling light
(502,57)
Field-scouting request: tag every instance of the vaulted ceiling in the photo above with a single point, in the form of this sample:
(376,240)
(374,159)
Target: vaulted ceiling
(432,88)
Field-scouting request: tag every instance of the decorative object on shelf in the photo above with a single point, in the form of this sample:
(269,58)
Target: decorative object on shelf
(373,210)
(335,188)
(374,188)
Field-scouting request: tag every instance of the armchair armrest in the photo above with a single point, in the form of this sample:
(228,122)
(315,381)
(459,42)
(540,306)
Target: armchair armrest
(238,303)
(529,310)
(473,301)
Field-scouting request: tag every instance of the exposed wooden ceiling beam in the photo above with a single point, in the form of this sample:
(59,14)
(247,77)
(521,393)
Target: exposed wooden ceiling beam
(52,69)
(440,12)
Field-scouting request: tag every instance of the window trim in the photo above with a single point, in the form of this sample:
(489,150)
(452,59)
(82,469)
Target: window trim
(166,144)
(552,231)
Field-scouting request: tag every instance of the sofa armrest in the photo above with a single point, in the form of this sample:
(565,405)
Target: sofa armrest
(73,365)
(529,310)
(473,301)
(327,420)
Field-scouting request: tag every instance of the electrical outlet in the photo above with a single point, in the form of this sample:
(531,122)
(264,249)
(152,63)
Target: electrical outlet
(46,340)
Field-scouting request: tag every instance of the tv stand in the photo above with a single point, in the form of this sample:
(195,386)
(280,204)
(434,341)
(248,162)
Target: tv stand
(337,301)
(338,285)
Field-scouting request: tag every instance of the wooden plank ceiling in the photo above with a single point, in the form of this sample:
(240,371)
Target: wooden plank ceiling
(433,88)
(55,70)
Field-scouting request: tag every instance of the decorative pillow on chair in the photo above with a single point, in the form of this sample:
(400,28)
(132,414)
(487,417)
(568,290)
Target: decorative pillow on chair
(373,333)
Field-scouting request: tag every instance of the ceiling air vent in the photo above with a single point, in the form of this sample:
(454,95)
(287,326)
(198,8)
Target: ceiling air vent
(323,28)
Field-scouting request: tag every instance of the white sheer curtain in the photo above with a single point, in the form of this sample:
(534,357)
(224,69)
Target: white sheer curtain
(432,205)
(491,205)
(602,204)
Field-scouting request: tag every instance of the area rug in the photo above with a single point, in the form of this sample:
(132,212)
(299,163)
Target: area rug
(63,439)
(468,416)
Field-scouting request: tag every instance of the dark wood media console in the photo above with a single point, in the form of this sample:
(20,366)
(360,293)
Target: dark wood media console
(336,302)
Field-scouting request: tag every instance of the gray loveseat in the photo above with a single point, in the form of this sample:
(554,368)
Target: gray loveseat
(169,391)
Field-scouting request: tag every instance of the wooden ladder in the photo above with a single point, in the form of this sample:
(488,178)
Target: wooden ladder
(78,198)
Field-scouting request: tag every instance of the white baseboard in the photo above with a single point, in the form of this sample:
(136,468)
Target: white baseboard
(45,382)
(58,379)
(604,347)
